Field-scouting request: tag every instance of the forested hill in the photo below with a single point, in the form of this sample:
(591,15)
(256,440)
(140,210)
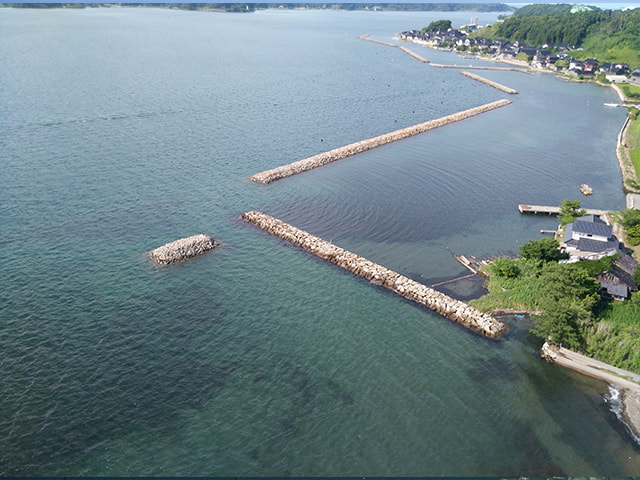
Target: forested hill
(611,35)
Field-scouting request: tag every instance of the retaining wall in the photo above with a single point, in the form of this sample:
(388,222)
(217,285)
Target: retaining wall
(325,158)
(440,303)
(491,83)
(183,249)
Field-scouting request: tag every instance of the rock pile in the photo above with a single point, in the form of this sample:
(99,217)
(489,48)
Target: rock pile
(321,159)
(440,303)
(491,83)
(183,249)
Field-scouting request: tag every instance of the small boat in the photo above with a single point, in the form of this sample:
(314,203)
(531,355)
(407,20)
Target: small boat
(611,104)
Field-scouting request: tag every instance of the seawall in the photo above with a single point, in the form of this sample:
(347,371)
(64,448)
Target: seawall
(491,83)
(183,249)
(440,303)
(325,158)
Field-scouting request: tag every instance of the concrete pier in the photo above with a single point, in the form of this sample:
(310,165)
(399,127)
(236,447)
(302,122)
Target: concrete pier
(183,249)
(325,158)
(549,210)
(491,83)
(440,303)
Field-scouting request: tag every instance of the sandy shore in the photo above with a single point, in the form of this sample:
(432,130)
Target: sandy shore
(628,382)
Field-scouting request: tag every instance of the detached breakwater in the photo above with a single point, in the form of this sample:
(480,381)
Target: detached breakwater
(340,153)
(183,249)
(491,83)
(440,303)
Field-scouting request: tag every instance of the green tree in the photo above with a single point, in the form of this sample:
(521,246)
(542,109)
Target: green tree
(568,283)
(543,250)
(633,235)
(630,218)
(503,267)
(636,275)
(569,211)
(438,26)
(635,299)
(560,324)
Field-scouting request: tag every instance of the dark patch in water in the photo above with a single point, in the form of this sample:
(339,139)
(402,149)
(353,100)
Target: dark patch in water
(538,460)
(492,369)
(340,393)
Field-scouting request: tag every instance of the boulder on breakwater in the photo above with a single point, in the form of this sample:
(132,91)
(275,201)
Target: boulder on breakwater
(440,303)
(183,249)
(321,159)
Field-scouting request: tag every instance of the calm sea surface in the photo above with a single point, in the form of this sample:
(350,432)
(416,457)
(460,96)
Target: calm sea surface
(124,129)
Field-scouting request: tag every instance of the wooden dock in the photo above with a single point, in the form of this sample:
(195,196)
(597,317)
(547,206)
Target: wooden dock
(540,209)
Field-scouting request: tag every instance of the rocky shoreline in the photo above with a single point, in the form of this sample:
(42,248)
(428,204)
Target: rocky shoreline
(628,382)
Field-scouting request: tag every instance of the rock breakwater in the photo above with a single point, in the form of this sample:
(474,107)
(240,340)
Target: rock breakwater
(491,83)
(183,249)
(340,153)
(438,302)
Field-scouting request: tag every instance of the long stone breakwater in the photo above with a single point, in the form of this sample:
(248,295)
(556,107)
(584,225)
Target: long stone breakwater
(440,303)
(491,83)
(340,153)
(404,49)
(183,249)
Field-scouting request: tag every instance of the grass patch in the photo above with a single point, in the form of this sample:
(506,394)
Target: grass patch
(615,337)
(631,91)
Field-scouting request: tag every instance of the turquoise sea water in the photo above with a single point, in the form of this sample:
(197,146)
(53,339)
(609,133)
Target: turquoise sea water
(124,129)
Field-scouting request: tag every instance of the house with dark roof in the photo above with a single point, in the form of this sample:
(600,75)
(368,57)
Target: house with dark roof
(589,237)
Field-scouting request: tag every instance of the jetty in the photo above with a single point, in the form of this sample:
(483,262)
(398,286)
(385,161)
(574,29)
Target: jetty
(404,49)
(440,303)
(183,249)
(544,209)
(491,83)
(340,153)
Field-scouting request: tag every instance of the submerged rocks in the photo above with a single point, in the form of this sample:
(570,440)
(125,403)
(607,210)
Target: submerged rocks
(446,306)
(183,249)
(321,159)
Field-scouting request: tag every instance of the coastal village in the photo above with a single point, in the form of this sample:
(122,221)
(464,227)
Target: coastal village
(553,58)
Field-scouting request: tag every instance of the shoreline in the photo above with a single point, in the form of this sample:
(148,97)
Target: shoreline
(628,382)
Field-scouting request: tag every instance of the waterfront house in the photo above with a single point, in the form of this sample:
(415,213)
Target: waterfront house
(589,237)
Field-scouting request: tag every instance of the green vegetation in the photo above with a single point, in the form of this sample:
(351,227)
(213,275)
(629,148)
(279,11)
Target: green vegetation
(570,311)
(537,9)
(630,91)
(607,35)
(569,211)
(632,146)
(630,221)
(615,337)
(545,250)
(438,25)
